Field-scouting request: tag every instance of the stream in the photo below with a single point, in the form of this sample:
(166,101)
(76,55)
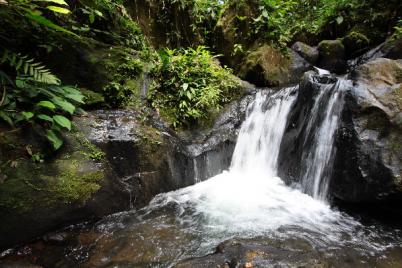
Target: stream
(294,226)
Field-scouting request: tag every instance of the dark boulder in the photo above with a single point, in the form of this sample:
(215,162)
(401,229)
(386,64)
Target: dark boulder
(113,162)
(307,52)
(368,162)
(332,56)
(355,44)
(267,66)
(367,158)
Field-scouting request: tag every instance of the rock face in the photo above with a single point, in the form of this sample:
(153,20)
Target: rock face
(367,157)
(268,66)
(113,163)
(212,150)
(116,160)
(234,27)
(368,162)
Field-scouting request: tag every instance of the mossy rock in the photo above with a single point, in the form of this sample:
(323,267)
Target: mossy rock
(332,56)
(267,66)
(69,186)
(234,27)
(355,43)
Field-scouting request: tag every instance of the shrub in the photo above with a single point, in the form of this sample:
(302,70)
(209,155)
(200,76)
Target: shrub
(189,85)
(32,95)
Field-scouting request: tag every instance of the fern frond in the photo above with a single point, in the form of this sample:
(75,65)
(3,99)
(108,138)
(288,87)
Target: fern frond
(29,67)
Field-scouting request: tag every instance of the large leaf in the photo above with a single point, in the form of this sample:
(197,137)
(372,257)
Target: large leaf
(27,115)
(64,105)
(62,121)
(60,2)
(46,104)
(45,117)
(58,9)
(42,20)
(6,118)
(56,141)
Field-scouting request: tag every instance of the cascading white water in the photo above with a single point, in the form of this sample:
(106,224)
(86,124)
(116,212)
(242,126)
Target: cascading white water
(250,198)
(259,140)
(317,166)
(248,201)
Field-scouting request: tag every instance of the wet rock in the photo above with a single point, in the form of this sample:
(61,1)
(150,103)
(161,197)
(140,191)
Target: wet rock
(267,66)
(367,154)
(113,162)
(307,52)
(212,149)
(297,139)
(57,238)
(391,49)
(258,252)
(332,56)
(369,157)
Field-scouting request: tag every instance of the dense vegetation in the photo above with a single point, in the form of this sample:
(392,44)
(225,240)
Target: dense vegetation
(190,85)
(106,48)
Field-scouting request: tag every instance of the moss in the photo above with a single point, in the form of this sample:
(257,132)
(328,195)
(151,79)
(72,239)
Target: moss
(92,98)
(331,47)
(355,42)
(27,189)
(272,63)
(71,186)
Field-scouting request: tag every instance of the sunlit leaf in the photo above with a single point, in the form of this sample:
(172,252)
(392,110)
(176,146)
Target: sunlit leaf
(62,121)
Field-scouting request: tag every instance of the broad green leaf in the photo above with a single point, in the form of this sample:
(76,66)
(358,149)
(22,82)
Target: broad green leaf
(339,20)
(58,9)
(185,86)
(54,139)
(6,118)
(46,104)
(64,105)
(27,115)
(62,121)
(91,18)
(45,117)
(42,20)
(76,97)
(60,2)
(98,13)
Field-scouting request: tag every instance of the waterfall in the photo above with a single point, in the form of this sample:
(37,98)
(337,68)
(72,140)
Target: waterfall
(317,165)
(259,140)
(250,198)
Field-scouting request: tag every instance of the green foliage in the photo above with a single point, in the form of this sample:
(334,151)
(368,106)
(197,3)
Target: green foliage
(188,22)
(33,10)
(119,92)
(32,94)
(280,21)
(398,31)
(190,85)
